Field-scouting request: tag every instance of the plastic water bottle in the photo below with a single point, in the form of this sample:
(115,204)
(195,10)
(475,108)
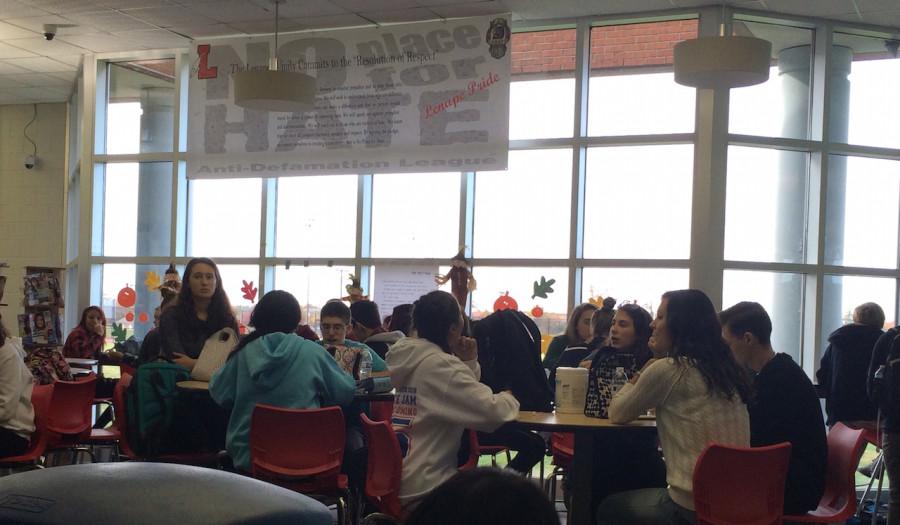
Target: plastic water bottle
(365,365)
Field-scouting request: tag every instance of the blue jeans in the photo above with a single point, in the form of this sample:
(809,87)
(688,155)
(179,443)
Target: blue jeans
(642,507)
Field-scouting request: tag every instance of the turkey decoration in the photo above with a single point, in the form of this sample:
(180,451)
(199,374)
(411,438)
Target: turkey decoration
(505,302)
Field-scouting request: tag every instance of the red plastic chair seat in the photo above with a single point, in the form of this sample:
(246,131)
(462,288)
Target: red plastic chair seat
(69,417)
(40,400)
(384,468)
(741,485)
(838,503)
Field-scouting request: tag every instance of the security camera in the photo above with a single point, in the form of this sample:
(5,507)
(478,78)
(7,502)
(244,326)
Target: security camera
(49,31)
(30,161)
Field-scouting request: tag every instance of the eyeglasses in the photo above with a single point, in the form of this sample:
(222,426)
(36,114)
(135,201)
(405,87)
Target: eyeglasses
(329,326)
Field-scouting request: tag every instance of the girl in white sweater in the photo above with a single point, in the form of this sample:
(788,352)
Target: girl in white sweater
(438,395)
(699,394)
(16,383)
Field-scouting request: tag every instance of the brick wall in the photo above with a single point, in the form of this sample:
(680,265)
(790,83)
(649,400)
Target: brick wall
(31,201)
(630,45)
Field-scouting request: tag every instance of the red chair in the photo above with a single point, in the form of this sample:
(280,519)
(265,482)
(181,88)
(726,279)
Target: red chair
(383,471)
(69,418)
(381,410)
(301,450)
(474,447)
(845,446)
(735,486)
(873,436)
(40,400)
(126,450)
(562,448)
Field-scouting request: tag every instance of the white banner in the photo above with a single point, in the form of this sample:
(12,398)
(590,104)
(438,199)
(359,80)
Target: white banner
(407,98)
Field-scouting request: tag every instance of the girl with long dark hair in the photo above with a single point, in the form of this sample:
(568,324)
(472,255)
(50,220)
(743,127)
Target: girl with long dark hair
(699,393)
(274,366)
(438,395)
(202,309)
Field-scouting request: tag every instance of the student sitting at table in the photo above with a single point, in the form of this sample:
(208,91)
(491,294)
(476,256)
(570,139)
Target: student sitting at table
(334,320)
(86,340)
(202,309)
(578,332)
(438,395)
(274,366)
(16,383)
(699,393)
(572,356)
(366,322)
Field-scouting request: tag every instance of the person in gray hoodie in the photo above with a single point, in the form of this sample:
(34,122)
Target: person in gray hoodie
(438,395)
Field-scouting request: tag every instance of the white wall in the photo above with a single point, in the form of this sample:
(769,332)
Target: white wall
(32,202)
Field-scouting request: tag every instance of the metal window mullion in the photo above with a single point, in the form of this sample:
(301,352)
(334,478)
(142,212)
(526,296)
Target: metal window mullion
(182,70)
(86,180)
(267,238)
(467,219)
(363,229)
(579,130)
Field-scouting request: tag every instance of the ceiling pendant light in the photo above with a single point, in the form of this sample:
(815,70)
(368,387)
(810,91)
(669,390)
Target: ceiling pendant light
(716,62)
(274,89)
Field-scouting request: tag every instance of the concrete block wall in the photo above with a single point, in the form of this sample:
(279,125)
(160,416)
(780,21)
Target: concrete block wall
(32,202)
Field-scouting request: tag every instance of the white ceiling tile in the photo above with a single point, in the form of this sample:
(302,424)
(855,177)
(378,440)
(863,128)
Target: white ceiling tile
(7,51)
(333,21)
(267,27)
(102,42)
(169,16)
(132,4)
(304,8)
(65,7)
(72,60)
(65,76)
(375,5)
(47,94)
(154,39)
(64,26)
(9,81)
(39,45)
(232,11)
(13,96)
(401,15)
(40,80)
(6,69)
(206,31)
(11,31)
(469,9)
(109,21)
(18,9)
(39,64)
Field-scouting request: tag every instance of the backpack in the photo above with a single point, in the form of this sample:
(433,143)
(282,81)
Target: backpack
(886,382)
(509,352)
(153,403)
(609,372)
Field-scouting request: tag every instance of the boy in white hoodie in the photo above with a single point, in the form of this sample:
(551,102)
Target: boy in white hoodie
(16,384)
(438,395)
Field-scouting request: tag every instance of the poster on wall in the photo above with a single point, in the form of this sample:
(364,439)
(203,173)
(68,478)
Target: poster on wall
(401,285)
(421,97)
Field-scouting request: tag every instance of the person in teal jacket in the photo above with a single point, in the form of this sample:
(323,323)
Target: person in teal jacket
(274,366)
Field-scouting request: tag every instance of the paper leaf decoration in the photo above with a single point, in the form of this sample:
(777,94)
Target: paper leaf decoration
(118,333)
(127,297)
(249,291)
(543,288)
(152,281)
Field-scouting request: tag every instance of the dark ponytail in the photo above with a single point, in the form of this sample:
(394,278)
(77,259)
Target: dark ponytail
(277,311)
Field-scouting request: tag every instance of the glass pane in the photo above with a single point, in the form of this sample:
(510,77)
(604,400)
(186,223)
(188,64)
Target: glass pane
(374,296)
(316,216)
(643,286)
(224,217)
(638,202)
(495,283)
(137,206)
(843,293)
(233,277)
(781,294)
(415,215)
(862,212)
(632,87)
(139,110)
(780,106)
(765,205)
(543,68)
(313,286)
(864,102)
(117,277)
(523,212)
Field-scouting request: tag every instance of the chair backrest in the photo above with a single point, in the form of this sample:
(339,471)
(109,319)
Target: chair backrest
(384,467)
(40,400)
(296,443)
(474,448)
(845,446)
(120,407)
(562,446)
(70,407)
(741,485)
(381,410)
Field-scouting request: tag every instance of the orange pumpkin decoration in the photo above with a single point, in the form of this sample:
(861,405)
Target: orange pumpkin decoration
(129,317)
(537,311)
(505,302)
(127,297)
(143,317)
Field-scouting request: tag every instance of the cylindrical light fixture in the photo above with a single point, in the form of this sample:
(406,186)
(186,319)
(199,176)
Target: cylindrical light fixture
(722,61)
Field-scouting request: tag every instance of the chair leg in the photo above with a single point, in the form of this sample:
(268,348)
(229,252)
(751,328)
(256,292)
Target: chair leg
(878,460)
(879,468)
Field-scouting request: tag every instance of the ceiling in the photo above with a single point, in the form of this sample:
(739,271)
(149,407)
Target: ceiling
(33,69)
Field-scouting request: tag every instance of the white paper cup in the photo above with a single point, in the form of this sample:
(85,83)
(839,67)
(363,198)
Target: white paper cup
(571,390)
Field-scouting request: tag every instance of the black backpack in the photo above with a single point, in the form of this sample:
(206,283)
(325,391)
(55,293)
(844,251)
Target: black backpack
(509,352)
